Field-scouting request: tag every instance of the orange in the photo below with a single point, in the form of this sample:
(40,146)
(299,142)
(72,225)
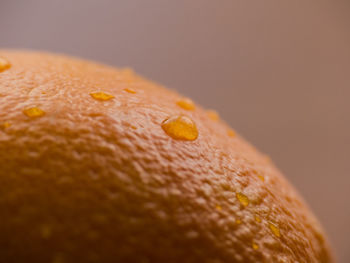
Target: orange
(101,165)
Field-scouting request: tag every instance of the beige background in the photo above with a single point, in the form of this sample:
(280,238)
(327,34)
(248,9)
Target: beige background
(277,71)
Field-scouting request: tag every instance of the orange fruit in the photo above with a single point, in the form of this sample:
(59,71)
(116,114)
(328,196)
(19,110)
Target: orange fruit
(101,165)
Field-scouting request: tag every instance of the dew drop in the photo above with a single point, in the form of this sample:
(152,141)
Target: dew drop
(231,133)
(4,64)
(262,178)
(186,104)
(275,229)
(6,125)
(243,199)
(132,91)
(34,112)
(218,207)
(257,219)
(180,128)
(101,96)
(213,115)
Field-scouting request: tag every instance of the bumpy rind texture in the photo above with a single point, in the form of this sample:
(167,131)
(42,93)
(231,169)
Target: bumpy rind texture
(100,181)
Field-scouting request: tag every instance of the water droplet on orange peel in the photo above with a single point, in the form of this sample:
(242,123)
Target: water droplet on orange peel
(213,115)
(101,96)
(130,90)
(257,219)
(275,230)
(243,199)
(6,125)
(34,112)
(262,178)
(186,104)
(180,128)
(231,133)
(255,246)
(4,64)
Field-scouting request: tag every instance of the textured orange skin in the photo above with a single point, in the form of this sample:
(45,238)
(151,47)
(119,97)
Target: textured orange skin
(100,181)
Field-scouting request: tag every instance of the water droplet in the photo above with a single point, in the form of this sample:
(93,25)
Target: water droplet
(186,104)
(238,221)
(255,246)
(180,128)
(231,133)
(243,199)
(262,178)
(101,96)
(34,112)
(257,219)
(213,115)
(4,64)
(130,90)
(218,207)
(275,229)
(6,125)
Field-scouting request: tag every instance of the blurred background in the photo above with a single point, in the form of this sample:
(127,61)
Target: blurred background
(277,71)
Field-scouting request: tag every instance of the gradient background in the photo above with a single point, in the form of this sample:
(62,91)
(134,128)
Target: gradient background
(277,71)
